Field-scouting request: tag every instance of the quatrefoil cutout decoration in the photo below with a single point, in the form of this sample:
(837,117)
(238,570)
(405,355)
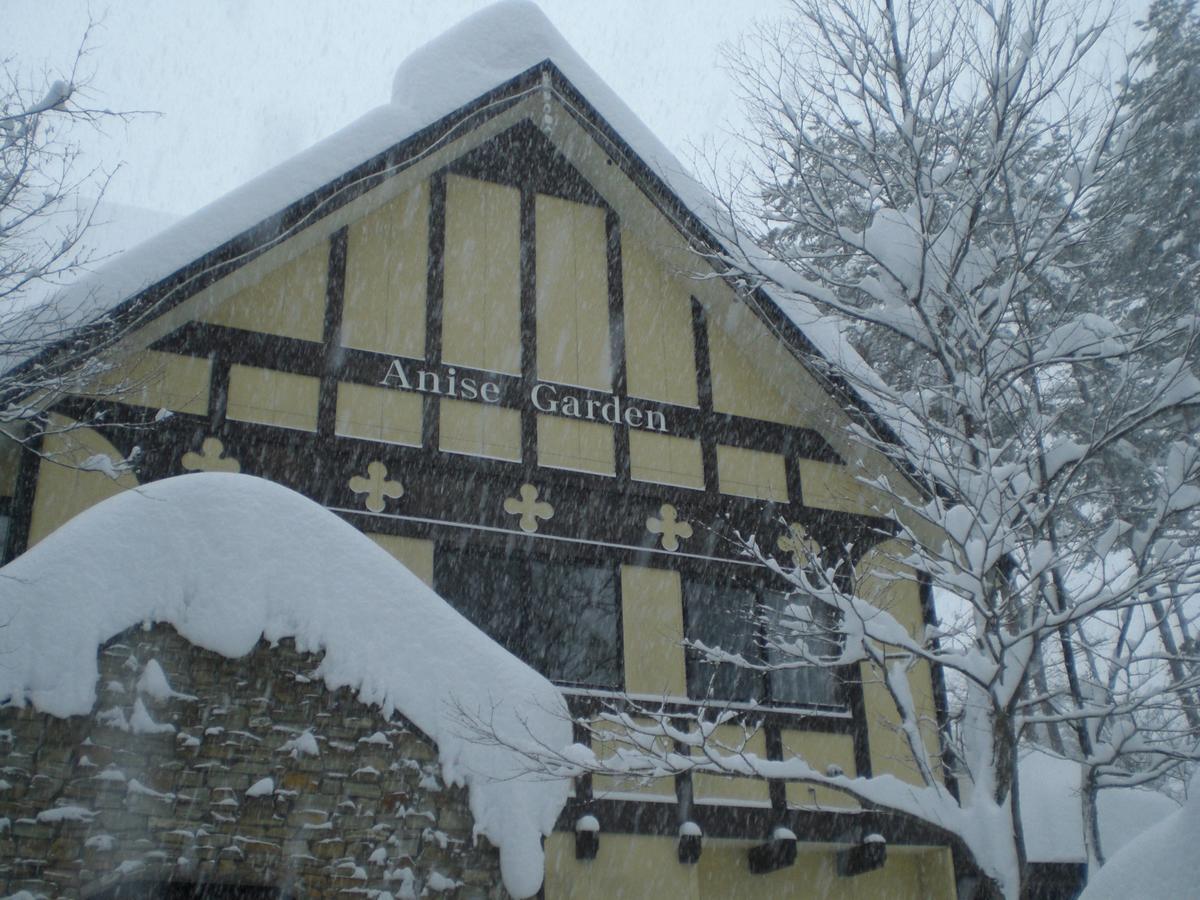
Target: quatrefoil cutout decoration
(529,508)
(799,544)
(376,486)
(669,526)
(210,458)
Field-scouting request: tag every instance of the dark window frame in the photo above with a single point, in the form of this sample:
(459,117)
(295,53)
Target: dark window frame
(529,556)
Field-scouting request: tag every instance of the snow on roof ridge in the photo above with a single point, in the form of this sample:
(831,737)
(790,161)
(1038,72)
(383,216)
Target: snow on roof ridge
(206,554)
(498,43)
(489,46)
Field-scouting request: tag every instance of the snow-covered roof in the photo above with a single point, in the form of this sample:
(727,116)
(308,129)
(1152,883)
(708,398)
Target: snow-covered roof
(1052,816)
(230,559)
(472,58)
(483,52)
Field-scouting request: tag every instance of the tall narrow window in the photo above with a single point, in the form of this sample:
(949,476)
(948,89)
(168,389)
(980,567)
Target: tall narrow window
(796,633)
(722,617)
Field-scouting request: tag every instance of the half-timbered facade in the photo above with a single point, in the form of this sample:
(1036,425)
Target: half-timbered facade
(497,347)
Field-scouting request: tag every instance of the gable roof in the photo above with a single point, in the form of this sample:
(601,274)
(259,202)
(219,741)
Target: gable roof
(488,62)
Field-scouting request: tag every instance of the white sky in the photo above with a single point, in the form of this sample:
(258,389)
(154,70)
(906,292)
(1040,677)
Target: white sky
(244,84)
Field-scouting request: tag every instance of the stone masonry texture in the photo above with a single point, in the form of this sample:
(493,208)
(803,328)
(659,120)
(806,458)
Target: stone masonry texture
(148,792)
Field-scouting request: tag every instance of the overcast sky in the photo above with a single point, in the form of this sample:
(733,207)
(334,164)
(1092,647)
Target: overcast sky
(243,84)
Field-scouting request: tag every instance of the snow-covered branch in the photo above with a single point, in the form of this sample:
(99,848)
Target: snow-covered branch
(945,186)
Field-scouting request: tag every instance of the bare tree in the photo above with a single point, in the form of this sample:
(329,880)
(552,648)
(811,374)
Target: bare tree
(48,202)
(925,177)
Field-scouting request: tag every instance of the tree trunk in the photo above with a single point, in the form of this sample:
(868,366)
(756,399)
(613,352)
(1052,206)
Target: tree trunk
(1089,793)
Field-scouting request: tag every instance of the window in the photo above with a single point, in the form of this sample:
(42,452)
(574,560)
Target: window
(559,616)
(762,627)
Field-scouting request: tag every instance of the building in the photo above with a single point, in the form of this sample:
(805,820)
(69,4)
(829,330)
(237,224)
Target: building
(479,326)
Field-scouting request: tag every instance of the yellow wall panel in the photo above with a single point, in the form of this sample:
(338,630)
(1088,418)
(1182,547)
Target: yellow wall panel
(936,868)
(576,445)
(572,294)
(289,301)
(889,584)
(652,619)
(738,384)
(273,398)
(829,486)
(889,747)
(733,787)
(663,459)
(378,414)
(659,348)
(604,785)
(63,489)
(386,277)
(479,429)
(921,682)
(751,473)
(627,866)
(481,311)
(415,553)
(159,381)
(819,750)
(724,871)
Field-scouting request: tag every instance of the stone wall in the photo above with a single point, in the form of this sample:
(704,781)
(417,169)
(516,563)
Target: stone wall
(153,788)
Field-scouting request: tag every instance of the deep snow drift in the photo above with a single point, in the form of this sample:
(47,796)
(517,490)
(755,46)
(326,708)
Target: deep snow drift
(1159,864)
(227,559)
(1052,815)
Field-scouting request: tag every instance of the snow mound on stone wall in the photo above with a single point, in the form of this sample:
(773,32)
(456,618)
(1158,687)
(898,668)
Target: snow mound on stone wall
(229,559)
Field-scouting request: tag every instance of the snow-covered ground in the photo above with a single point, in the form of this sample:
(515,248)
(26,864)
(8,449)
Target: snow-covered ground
(231,559)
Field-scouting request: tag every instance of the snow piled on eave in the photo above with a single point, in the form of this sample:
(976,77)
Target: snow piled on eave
(229,559)
(224,219)
(469,60)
